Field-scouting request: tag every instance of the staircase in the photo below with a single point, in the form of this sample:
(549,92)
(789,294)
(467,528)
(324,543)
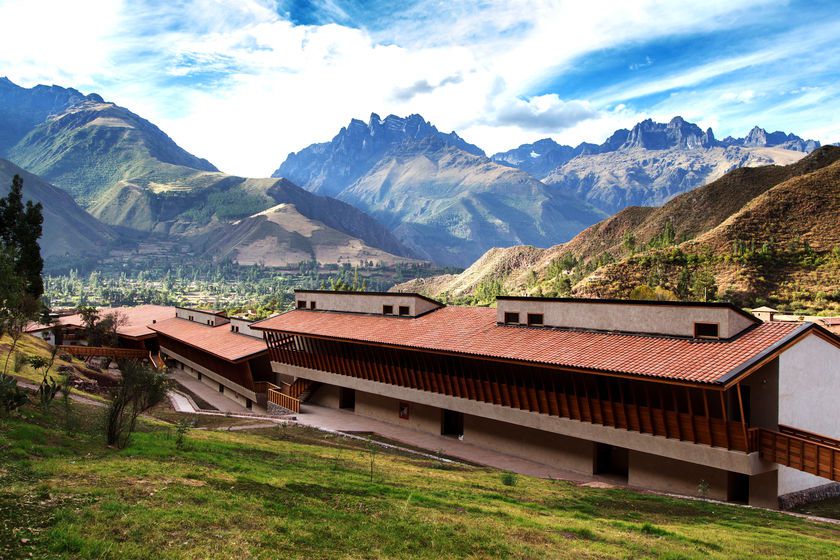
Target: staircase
(302,389)
(798,449)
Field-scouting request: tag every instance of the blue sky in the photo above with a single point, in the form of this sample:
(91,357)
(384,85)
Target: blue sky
(244,82)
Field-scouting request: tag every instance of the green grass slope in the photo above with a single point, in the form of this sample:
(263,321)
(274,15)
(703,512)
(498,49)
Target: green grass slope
(92,146)
(295,493)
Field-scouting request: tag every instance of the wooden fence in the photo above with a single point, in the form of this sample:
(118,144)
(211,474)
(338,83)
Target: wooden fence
(810,453)
(104,352)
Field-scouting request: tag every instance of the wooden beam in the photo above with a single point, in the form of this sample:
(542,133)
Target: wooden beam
(743,419)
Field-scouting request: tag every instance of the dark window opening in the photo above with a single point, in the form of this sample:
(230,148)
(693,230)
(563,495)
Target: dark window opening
(221,388)
(451,423)
(706,330)
(738,488)
(403,410)
(347,398)
(311,305)
(511,318)
(535,319)
(301,304)
(611,460)
(387,309)
(404,310)
(248,404)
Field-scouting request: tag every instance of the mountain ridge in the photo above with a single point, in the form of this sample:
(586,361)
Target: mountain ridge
(765,231)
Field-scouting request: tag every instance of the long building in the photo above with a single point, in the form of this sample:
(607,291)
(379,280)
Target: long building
(222,352)
(677,397)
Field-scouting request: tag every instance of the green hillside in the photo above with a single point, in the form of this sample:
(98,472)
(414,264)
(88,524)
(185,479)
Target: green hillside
(296,493)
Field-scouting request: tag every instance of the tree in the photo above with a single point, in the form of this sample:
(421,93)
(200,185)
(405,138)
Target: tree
(704,287)
(20,228)
(140,388)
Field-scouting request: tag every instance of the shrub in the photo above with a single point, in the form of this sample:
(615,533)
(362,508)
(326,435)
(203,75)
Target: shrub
(509,478)
(140,388)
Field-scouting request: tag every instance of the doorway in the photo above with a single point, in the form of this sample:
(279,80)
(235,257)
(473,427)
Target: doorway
(738,488)
(346,398)
(452,423)
(611,460)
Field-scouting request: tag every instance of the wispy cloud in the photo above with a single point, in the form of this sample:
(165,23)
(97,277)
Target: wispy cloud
(243,82)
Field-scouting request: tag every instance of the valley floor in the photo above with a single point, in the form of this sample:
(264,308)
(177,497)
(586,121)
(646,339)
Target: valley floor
(293,492)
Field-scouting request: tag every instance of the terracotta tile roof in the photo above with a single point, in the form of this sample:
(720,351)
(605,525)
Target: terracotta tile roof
(474,331)
(138,316)
(218,341)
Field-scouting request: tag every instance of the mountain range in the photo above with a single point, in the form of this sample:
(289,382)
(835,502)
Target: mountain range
(127,173)
(650,163)
(387,190)
(762,235)
(440,195)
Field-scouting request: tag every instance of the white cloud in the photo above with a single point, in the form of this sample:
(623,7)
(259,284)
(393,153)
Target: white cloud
(236,83)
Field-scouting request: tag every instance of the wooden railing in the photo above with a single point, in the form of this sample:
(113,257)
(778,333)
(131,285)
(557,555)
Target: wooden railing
(104,351)
(809,454)
(810,436)
(697,415)
(285,401)
(157,361)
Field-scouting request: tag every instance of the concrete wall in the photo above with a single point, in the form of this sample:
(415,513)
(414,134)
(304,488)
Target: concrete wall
(677,477)
(245,327)
(420,417)
(764,396)
(201,316)
(364,303)
(212,379)
(326,395)
(809,386)
(641,317)
(549,449)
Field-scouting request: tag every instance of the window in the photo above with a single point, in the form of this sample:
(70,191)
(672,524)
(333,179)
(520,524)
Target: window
(404,310)
(535,319)
(311,305)
(234,329)
(511,318)
(403,410)
(706,330)
(387,309)
(301,304)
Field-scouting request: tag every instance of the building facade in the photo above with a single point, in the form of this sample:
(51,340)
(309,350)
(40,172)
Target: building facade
(222,352)
(678,397)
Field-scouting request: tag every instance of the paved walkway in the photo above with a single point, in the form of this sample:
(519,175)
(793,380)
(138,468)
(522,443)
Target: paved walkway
(344,421)
(211,395)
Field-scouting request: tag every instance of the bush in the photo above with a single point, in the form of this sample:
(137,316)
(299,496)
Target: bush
(140,388)
(509,479)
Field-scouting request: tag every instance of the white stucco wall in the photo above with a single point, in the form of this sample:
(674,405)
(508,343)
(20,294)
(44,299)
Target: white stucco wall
(200,316)
(364,303)
(809,399)
(641,317)
(245,327)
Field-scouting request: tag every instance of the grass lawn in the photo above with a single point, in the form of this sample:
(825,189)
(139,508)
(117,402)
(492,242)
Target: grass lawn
(34,346)
(299,493)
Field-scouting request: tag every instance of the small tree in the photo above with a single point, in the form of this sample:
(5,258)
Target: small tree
(48,388)
(140,388)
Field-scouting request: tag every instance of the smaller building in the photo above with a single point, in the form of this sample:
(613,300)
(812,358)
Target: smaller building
(768,315)
(222,352)
(134,332)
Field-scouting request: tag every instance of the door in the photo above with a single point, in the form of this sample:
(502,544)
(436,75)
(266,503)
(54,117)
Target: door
(452,423)
(346,398)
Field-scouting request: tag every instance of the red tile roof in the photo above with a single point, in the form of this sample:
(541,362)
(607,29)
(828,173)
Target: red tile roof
(219,341)
(474,331)
(137,316)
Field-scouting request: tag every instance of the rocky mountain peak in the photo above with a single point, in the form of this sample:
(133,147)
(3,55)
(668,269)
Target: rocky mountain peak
(678,133)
